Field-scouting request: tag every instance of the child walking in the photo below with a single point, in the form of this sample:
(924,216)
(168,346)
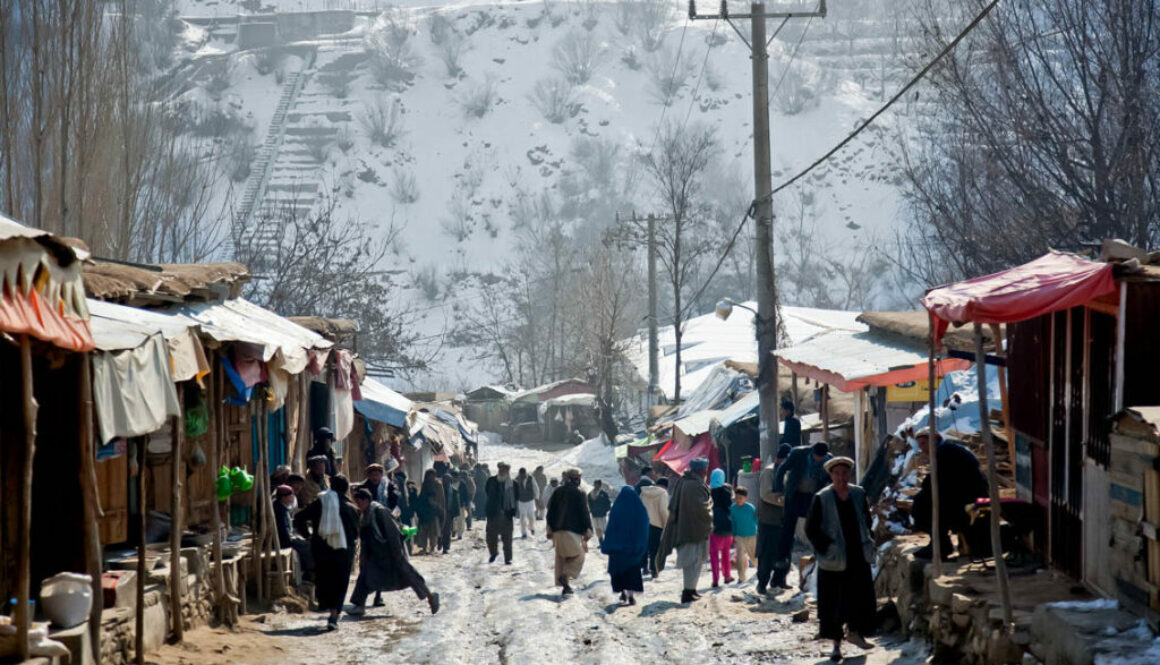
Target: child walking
(743,517)
(721,539)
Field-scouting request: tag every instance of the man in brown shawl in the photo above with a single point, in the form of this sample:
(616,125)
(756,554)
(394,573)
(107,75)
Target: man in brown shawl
(688,528)
(569,528)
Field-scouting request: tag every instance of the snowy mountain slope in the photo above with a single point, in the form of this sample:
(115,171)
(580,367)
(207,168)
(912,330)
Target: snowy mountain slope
(474,143)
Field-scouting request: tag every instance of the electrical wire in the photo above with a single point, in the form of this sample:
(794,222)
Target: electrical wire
(906,88)
(701,76)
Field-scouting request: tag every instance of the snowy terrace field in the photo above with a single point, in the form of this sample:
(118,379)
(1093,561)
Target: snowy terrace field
(484,115)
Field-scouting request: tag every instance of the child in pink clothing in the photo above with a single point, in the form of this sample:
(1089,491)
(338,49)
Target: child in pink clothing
(721,539)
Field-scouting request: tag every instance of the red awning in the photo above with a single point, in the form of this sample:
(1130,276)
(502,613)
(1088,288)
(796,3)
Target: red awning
(31,314)
(677,457)
(1053,282)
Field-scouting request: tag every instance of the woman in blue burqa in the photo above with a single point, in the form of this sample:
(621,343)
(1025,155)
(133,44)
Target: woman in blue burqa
(625,543)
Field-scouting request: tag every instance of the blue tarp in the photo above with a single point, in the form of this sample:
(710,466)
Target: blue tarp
(381,404)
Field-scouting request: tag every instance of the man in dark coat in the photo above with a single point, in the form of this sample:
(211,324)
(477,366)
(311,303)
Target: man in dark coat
(796,482)
(791,431)
(481,474)
(383,565)
(466,494)
(960,484)
(431,509)
(569,526)
(324,445)
(451,500)
(283,520)
(690,523)
(331,523)
(599,503)
(500,506)
(381,488)
(769,521)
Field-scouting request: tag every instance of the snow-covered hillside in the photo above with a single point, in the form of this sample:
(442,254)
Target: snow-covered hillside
(449,122)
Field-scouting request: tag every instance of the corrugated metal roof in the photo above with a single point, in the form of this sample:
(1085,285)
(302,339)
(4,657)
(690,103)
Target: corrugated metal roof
(739,410)
(239,320)
(843,356)
(697,423)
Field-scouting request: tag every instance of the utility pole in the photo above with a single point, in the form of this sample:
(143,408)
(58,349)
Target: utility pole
(654,373)
(766,321)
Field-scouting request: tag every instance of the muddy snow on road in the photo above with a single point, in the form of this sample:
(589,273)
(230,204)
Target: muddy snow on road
(492,613)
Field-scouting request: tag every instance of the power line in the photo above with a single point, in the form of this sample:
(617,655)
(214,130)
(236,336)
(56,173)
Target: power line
(701,76)
(792,56)
(914,81)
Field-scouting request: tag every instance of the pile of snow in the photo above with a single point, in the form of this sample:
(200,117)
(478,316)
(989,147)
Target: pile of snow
(595,458)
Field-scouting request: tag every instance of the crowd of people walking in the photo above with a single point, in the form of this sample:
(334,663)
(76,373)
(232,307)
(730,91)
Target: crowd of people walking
(700,517)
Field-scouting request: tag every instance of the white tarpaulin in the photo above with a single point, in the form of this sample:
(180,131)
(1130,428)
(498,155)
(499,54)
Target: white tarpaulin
(117,328)
(133,390)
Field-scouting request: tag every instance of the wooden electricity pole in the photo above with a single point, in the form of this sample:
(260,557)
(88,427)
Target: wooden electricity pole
(654,371)
(763,209)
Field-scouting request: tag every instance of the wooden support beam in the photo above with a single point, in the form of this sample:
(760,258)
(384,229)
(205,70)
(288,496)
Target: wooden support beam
(139,632)
(24,560)
(932,422)
(992,479)
(176,579)
(92,505)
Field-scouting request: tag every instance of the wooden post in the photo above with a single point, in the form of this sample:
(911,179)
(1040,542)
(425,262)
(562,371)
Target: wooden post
(268,511)
(1000,350)
(219,584)
(797,402)
(92,507)
(139,632)
(932,421)
(24,562)
(992,476)
(825,411)
(176,579)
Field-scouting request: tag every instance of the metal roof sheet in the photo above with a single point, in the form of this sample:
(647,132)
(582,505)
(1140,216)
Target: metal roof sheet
(843,357)
(697,423)
(117,327)
(240,320)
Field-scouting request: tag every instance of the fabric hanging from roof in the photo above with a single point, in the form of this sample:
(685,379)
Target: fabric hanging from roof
(39,295)
(133,391)
(1053,282)
(117,327)
(677,457)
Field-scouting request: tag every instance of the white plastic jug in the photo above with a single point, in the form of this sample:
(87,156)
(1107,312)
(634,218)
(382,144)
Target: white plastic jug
(66,598)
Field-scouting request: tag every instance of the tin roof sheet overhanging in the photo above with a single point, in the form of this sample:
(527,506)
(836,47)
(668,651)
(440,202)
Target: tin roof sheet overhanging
(117,327)
(381,404)
(239,320)
(852,360)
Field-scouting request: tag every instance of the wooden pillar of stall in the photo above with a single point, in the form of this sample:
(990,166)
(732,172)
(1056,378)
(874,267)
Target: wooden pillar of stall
(222,602)
(1001,351)
(139,624)
(176,579)
(92,505)
(24,556)
(992,476)
(932,422)
(825,413)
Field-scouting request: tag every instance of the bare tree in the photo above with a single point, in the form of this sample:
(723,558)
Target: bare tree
(577,56)
(554,99)
(382,120)
(677,165)
(317,263)
(1049,136)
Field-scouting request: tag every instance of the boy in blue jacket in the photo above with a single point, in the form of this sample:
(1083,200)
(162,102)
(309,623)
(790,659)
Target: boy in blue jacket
(743,516)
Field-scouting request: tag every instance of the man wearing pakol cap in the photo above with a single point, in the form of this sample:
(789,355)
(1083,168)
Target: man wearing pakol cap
(796,481)
(382,490)
(383,564)
(500,507)
(769,525)
(569,526)
(690,523)
(316,481)
(324,445)
(838,526)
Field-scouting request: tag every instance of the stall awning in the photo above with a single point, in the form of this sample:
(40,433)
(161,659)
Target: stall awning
(851,361)
(381,404)
(41,293)
(119,328)
(239,320)
(1051,283)
(133,389)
